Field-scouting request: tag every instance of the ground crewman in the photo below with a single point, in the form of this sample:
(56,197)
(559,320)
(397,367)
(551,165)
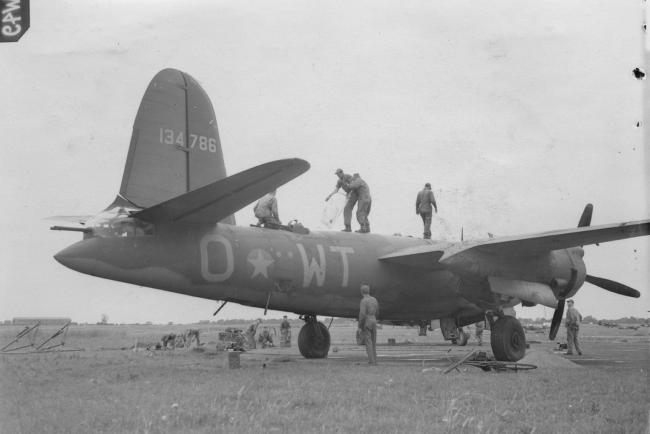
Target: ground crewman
(572,322)
(250,333)
(361,189)
(478,332)
(285,332)
(265,338)
(425,204)
(266,210)
(368,312)
(351,198)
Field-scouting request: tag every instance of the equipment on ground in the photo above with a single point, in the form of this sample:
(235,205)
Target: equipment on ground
(25,341)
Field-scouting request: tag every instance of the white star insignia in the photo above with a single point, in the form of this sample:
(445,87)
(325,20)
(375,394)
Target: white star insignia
(260,263)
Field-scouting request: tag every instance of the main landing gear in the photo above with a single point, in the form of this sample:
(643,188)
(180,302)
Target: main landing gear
(507,338)
(313,339)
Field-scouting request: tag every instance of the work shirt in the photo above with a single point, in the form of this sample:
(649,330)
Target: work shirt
(368,312)
(344,183)
(573,318)
(360,187)
(285,325)
(267,207)
(425,202)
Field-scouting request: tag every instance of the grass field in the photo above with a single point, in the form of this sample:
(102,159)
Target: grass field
(104,389)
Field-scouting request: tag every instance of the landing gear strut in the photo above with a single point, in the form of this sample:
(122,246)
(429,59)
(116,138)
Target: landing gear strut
(508,339)
(313,339)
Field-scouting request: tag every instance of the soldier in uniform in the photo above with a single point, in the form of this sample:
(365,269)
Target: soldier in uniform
(285,333)
(250,333)
(572,322)
(360,188)
(424,206)
(478,332)
(265,339)
(344,183)
(266,210)
(368,312)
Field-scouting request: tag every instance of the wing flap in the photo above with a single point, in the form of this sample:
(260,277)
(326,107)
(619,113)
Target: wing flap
(424,256)
(213,202)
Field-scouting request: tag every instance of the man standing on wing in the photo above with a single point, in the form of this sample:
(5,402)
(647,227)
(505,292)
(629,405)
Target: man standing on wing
(424,206)
(351,198)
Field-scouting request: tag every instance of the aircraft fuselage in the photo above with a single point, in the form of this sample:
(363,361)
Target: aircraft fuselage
(316,273)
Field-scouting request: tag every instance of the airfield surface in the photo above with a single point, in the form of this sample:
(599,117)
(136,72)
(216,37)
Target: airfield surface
(109,387)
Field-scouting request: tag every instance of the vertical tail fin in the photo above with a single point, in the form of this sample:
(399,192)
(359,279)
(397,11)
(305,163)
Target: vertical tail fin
(175,146)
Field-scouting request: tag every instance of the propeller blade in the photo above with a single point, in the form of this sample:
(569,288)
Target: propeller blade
(557,319)
(585,218)
(611,286)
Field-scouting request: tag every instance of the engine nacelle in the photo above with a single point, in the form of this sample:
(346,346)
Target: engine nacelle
(569,271)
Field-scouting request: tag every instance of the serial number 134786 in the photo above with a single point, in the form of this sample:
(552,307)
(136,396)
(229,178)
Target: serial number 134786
(203,143)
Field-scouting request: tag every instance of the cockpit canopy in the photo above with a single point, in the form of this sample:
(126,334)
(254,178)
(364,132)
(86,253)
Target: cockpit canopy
(116,222)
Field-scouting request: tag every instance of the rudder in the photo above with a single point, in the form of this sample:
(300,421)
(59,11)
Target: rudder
(175,146)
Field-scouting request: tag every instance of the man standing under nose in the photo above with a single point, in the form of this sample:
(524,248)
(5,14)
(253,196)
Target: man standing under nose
(368,312)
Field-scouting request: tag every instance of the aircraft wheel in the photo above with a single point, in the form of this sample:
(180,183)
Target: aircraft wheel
(462,337)
(314,340)
(508,339)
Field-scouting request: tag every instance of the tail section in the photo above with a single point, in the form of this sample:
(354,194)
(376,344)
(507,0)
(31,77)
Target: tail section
(215,201)
(175,146)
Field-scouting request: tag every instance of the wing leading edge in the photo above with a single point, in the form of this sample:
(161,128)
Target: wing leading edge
(219,199)
(560,239)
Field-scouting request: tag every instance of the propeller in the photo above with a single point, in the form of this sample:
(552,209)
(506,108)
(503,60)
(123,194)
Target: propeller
(557,319)
(611,286)
(585,220)
(606,284)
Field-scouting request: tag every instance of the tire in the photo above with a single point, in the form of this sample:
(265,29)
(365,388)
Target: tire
(314,340)
(508,340)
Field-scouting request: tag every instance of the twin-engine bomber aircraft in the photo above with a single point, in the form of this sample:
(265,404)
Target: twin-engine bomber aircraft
(172,228)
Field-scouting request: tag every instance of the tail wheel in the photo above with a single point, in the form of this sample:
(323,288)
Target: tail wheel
(508,339)
(314,340)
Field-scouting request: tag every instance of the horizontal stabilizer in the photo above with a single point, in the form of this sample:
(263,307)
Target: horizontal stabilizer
(425,256)
(213,202)
(79,219)
(555,240)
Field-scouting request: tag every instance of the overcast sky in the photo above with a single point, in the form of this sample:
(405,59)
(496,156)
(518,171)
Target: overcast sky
(518,112)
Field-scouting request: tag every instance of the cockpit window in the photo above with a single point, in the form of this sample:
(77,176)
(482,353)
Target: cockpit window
(117,223)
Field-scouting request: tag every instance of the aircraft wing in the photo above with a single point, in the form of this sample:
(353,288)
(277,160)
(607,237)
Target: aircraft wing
(213,202)
(434,256)
(554,240)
